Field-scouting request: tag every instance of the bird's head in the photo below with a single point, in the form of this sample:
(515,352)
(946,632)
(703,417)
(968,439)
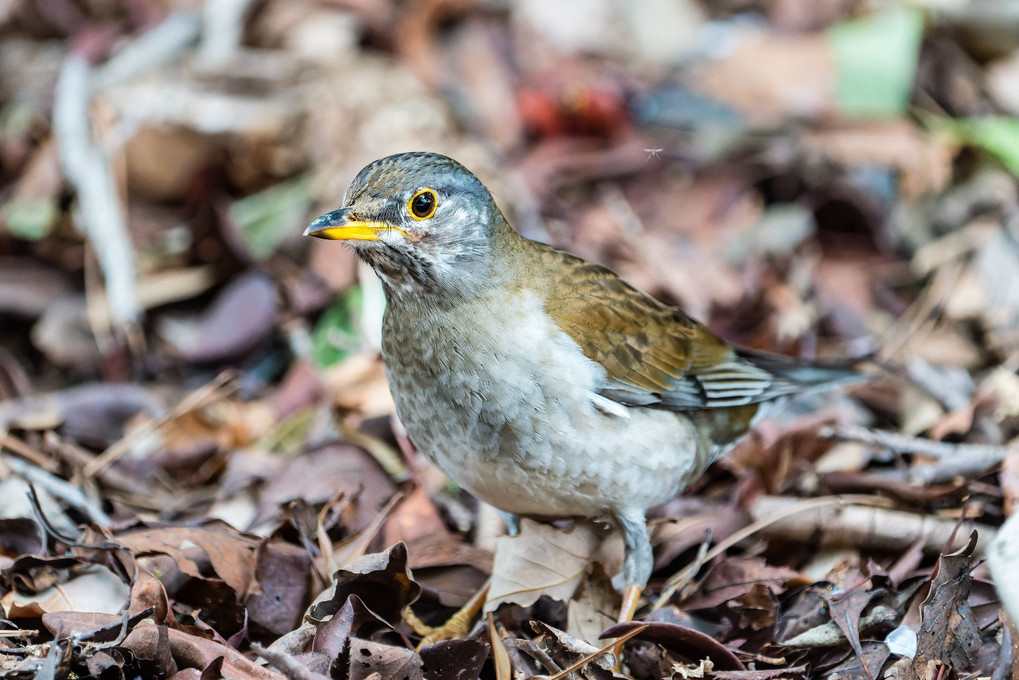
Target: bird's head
(421,220)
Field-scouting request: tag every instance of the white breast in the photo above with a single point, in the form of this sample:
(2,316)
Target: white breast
(505,403)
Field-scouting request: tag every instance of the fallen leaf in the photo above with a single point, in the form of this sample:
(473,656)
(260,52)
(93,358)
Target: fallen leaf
(95,589)
(453,659)
(220,332)
(230,553)
(282,572)
(544,560)
(687,644)
(948,630)
(380,580)
(384,661)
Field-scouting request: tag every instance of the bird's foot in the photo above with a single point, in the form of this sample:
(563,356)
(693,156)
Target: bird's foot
(631,598)
(456,627)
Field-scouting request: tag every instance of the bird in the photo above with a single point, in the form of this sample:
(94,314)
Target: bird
(541,383)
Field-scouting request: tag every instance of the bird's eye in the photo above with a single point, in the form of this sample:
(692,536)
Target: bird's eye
(422,204)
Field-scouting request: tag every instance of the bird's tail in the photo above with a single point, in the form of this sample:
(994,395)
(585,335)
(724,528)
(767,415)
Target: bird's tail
(809,376)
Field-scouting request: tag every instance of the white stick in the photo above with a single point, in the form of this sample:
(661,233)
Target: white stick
(100,214)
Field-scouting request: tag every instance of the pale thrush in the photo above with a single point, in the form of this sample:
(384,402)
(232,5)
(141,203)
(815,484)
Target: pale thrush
(541,383)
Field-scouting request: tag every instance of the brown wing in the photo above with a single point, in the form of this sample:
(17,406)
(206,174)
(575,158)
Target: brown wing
(656,355)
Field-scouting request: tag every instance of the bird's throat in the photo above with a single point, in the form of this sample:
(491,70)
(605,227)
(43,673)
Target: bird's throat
(400,270)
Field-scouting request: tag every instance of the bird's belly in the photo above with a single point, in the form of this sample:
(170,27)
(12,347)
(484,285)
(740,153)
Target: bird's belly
(581,471)
(508,414)
(559,464)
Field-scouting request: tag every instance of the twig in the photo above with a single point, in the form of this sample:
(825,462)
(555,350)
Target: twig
(869,526)
(531,648)
(58,488)
(957,459)
(680,579)
(150,50)
(388,459)
(17,633)
(215,390)
(223,30)
(969,463)
(100,215)
(953,387)
(112,479)
(899,443)
(920,313)
(594,655)
(286,664)
(20,448)
(830,635)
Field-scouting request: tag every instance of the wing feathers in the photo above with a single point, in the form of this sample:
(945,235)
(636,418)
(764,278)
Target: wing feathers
(655,355)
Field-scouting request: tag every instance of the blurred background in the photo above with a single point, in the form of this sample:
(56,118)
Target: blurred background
(821,178)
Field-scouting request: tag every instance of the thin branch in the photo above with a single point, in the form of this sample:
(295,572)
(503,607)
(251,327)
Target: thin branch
(150,50)
(87,167)
(955,460)
(58,488)
(864,526)
(223,30)
(31,454)
(215,390)
(899,443)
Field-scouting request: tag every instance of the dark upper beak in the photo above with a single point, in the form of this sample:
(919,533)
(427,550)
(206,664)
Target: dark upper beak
(343,225)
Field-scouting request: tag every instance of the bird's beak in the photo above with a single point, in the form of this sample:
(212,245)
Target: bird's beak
(343,225)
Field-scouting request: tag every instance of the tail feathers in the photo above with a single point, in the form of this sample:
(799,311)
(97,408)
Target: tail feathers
(803,375)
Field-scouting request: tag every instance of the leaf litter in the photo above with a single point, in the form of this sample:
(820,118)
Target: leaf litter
(200,470)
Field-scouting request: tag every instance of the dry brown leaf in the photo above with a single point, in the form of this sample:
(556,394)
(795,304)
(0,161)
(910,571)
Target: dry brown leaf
(380,580)
(386,662)
(359,384)
(544,560)
(736,577)
(231,554)
(948,632)
(593,608)
(149,641)
(318,475)
(220,333)
(28,287)
(164,161)
(414,517)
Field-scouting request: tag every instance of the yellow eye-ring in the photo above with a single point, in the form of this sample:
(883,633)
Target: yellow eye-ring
(422,204)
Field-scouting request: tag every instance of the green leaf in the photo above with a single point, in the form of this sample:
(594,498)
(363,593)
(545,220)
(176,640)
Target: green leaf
(875,60)
(30,220)
(997,135)
(268,217)
(335,335)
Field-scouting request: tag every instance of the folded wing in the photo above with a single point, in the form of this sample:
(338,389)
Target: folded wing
(656,355)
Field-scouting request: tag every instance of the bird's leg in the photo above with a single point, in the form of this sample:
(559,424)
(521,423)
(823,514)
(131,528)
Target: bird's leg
(456,627)
(512,522)
(638,562)
(630,600)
